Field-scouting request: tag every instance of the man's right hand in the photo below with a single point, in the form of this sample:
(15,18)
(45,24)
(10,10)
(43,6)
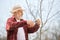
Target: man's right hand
(30,23)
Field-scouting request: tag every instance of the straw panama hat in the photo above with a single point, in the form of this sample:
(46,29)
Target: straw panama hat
(16,8)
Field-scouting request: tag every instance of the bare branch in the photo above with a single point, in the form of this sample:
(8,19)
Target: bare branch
(52,16)
(41,13)
(37,8)
(30,9)
(41,17)
(49,11)
(41,9)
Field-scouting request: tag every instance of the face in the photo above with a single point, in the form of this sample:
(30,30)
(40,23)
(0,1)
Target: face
(18,14)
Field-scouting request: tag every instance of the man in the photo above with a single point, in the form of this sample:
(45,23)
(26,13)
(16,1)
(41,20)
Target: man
(17,28)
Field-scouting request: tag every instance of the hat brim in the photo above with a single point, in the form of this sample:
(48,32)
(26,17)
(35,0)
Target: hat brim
(16,10)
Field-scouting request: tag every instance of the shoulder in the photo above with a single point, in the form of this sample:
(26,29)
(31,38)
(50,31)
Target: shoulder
(11,19)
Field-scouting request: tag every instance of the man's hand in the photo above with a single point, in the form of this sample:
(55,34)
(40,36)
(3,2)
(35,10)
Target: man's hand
(38,21)
(30,23)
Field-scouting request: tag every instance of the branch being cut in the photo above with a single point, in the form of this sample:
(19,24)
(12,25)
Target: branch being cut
(41,9)
(41,17)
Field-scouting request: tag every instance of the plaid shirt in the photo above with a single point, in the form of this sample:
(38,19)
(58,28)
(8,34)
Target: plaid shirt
(12,28)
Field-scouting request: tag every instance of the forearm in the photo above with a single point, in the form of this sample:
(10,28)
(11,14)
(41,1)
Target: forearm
(19,24)
(13,25)
(33,29)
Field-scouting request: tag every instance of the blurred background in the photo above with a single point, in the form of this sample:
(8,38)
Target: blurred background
(46,10)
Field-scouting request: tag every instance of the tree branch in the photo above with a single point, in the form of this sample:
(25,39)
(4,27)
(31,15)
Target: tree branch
(30,10)
(52,16)
(41,9)
(49,12)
